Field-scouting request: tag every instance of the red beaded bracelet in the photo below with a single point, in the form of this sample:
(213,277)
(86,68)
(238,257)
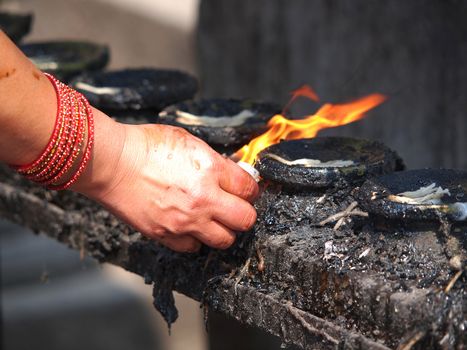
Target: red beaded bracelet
(50,165)
(42,159)
(75,144)
(57,166)
(88,149)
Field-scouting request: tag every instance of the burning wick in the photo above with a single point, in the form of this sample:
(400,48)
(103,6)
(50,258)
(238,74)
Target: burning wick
(281,128)
(250,170)
(328,116)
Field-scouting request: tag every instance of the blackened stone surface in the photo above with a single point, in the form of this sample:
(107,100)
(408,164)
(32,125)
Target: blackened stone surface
(358,287)
(383,276)
(66,59)
(224,136)
(373,195)
(370,158)
(15,26)
(136,89)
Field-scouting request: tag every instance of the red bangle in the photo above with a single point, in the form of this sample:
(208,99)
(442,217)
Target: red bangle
(87,152)
(50,164)
(77,139)
(53,138)
(57,166)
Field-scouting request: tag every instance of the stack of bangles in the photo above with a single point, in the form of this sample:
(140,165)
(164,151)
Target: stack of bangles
(69,148)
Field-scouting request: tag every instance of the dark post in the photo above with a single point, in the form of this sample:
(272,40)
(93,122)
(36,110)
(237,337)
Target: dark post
(413,51)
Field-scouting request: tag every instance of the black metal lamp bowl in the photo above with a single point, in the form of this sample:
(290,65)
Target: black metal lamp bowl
(417,195)
(138,92)
(325,162)
(227,123)
(66,59)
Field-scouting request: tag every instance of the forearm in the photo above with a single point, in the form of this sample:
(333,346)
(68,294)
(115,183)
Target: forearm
(163,181)
(28,110)
(28,106)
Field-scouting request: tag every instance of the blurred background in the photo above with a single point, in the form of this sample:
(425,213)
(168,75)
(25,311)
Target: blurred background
(139,32)
(415,52)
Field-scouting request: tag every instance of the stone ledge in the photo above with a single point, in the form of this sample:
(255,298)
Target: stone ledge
(299,296)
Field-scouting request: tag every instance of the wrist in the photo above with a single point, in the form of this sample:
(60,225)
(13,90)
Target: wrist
(109,140)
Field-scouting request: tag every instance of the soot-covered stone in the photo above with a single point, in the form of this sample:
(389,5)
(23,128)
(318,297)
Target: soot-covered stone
(367,157)
(15,26)
(136,89)
(377,195)
(224,135)
(357,286)
(66,59)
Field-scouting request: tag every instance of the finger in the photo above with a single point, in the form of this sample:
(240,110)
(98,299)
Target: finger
(234,212)
(216,235)
(182,244)
(238,182)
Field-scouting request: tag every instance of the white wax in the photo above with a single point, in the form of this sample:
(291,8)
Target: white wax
(250,170)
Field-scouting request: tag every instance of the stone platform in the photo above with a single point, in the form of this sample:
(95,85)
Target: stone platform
(358,287)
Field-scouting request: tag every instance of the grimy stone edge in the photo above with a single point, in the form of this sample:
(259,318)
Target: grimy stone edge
(295,297)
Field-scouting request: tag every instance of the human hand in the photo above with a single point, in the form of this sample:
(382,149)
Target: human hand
(161,180)
(169,185)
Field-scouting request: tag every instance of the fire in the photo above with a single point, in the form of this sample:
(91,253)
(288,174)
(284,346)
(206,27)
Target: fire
(328,116)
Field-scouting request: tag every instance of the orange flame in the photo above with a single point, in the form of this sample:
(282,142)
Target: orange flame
(303,91)
(328,116)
